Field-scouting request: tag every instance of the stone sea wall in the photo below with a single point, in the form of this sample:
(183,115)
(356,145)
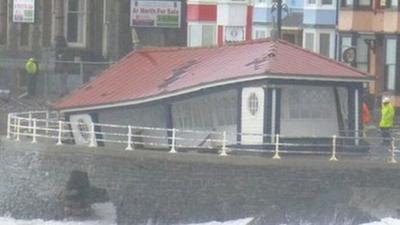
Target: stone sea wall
(155,187)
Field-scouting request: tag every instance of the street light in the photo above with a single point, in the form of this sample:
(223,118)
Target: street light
(279,6)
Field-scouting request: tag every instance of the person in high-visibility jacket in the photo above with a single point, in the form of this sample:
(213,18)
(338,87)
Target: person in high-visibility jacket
(32,69)
(387,120)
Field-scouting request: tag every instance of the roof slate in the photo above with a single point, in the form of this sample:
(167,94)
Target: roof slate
(158,72)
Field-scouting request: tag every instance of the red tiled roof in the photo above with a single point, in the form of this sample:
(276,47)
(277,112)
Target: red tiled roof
(158,72)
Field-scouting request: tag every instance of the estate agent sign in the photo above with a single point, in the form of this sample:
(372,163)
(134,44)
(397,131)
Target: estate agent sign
(155,13)
(24,11)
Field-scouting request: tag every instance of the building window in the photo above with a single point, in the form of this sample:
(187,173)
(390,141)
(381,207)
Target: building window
(319,41)
(390,64)
(362,55)
(348,2)
(75,19)
(3,22)
(345,44)
(326,2)
(364,3)
(260,34)
(390,3)
(201,35)
(309,41)
(311,2)
(289,38)
(324,44)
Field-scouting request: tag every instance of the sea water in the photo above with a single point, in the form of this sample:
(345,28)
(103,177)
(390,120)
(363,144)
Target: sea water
(105,214)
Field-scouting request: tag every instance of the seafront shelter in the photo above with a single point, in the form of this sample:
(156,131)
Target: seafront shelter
(252,90)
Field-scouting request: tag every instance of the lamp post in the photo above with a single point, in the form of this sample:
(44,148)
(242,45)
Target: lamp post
(278,5)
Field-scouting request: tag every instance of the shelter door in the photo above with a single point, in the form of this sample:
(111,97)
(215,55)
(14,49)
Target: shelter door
(252,123)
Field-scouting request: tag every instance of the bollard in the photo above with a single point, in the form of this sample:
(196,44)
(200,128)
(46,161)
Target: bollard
(173,150)
(60,125)
(276,155)
(34,132)
(92,142)
(393,159)
(223,150)
(129,147)
(333,157)
(9,126)
(18,128)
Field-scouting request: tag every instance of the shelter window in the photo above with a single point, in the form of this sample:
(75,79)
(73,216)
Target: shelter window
(75,19)
(309,103)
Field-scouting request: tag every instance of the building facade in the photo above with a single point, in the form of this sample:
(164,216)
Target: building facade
(372,28)
(307,23)
(82,30)
(217,22)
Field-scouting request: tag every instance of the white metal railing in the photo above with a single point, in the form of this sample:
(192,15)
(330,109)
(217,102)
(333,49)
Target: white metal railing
(45,125)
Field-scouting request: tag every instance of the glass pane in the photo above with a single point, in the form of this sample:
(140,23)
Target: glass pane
(391,51)
(73,5)
(349,2)
(324,44)
(391,77)
(195,35)
(260,34)
(326,2)
(311,2)
(365,2)
(208,35)
(72,28)
(362,51)
(395,3)
(346,43)
(309,43)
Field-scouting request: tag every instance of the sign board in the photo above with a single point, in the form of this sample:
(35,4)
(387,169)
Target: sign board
(155,14)
(24,11)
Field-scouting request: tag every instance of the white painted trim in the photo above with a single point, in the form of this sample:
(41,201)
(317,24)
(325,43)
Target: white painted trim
(273,115)
(209,85)
(356,116)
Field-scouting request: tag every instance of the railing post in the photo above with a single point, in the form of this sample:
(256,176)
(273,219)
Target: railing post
(9,126)
(60,125)
(34,132)
(333,157)
(47,122)
(92,142)
(276,155)
(223,150)
(129,147)
(173,150)
(30,121)
(18,128)
(393,159)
